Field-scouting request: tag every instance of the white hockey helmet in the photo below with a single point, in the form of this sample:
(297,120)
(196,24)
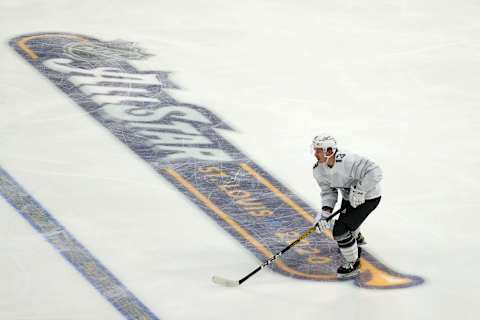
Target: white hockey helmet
(324,141)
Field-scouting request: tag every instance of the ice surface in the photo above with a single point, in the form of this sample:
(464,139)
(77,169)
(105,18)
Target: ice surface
(394,80)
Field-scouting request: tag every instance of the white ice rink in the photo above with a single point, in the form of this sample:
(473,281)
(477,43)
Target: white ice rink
(397,81)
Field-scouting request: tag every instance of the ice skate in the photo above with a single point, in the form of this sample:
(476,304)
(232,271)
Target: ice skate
(349,269)
(361,240)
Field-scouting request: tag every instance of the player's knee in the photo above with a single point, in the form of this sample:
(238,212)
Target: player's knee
(339,230)
(343,235)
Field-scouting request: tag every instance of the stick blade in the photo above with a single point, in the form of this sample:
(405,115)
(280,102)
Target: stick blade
(225,282)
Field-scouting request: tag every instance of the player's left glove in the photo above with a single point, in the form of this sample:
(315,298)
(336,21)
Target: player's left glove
(356,197)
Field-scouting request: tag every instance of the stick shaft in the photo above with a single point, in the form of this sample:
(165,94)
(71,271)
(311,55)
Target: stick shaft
(278,254)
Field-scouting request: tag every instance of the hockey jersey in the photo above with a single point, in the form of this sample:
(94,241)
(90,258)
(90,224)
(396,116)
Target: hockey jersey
(349,170)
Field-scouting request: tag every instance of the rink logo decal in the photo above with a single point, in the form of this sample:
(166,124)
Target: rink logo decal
(184,144)
(72,250)
(112,50)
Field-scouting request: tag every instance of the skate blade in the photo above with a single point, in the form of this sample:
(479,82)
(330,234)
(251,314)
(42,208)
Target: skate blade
(347,276)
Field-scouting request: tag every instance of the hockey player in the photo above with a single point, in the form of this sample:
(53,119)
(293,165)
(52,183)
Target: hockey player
(358,180)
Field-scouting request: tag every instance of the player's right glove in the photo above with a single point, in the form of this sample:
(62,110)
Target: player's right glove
(357,196)
(321,221)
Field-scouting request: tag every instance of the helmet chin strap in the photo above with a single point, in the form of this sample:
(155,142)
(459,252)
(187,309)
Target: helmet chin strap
(328,158)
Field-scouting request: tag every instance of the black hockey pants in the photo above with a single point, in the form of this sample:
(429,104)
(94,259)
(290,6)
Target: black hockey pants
(351,219)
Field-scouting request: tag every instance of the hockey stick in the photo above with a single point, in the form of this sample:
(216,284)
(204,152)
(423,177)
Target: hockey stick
(235,283)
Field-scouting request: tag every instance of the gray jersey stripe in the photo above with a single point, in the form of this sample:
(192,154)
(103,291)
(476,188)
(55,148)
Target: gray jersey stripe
(356,168)
(368,164)
(370,170)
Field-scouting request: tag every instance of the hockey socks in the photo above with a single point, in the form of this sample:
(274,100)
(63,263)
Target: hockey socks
(351,252)
(348,247)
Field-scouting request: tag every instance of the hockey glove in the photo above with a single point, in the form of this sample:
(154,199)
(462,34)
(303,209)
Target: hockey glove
(356,197)
(321,220)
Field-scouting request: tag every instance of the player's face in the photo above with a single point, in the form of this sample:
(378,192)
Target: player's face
(323,155)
